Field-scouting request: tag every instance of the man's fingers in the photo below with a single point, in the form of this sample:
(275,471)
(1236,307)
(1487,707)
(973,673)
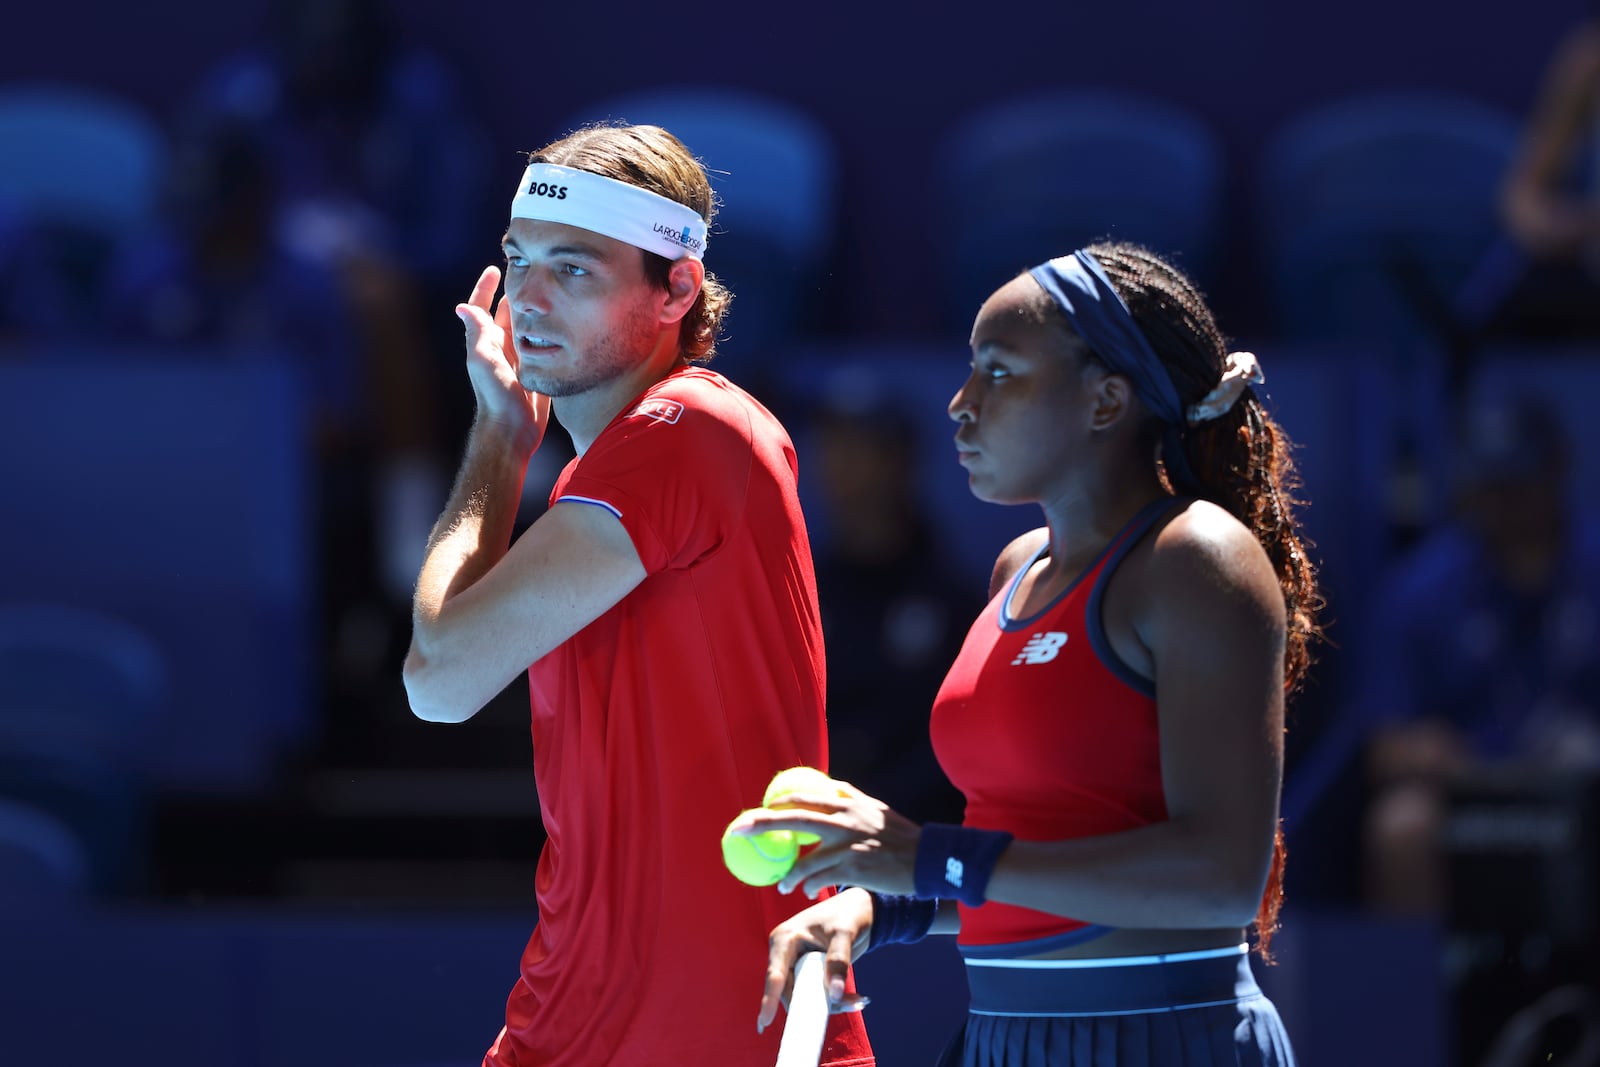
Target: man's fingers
(483,291)
(474,318)
(502,315)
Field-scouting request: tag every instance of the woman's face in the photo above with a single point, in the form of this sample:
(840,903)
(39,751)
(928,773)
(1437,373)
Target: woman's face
(1022,412)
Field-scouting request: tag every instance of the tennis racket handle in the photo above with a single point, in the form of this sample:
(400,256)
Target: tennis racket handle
(807,1022)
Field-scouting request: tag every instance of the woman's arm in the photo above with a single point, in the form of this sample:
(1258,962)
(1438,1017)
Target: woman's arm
(1213,620)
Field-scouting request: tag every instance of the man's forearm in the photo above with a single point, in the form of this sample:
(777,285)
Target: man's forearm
(474,530)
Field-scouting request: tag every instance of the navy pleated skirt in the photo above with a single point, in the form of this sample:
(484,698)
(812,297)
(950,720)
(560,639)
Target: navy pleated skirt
(1189,1009)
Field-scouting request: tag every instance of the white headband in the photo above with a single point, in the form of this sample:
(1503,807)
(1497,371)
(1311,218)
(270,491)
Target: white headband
(589,201)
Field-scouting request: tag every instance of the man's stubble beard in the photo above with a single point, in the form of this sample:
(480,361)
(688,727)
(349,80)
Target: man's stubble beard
(609,358)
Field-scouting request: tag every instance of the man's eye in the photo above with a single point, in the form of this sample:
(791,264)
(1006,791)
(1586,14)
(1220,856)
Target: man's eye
(573,269)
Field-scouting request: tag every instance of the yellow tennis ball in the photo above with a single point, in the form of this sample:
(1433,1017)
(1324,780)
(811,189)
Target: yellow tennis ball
(759,859)
(797,780)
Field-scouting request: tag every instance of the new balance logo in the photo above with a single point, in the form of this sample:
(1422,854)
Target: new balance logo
(1041,648)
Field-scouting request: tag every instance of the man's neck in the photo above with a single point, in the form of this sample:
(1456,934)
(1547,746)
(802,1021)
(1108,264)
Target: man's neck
(586,414)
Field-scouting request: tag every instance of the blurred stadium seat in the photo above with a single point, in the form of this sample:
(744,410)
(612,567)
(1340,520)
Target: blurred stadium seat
(96,682)
(172,494)
(43,863)
(81,693)
(1040,175)
(1333,403)
(79,155)
(1373,211)
(82,170)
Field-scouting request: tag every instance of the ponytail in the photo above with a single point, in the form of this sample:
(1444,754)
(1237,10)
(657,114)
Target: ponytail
(1242,463)
(1239,460)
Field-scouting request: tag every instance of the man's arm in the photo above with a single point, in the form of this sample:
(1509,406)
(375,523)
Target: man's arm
(484,608)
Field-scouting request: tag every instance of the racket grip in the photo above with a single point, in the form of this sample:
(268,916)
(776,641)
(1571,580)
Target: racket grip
(806,1025)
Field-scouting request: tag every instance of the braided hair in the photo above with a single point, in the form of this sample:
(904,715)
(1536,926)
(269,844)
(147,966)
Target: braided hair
(1240,459)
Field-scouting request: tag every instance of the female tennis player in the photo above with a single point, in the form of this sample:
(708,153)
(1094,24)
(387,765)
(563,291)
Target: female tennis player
(1115,717)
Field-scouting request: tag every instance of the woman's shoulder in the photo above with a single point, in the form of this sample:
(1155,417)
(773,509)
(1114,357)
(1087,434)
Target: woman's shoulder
(1202,544)
(1197,524)
(1015,556)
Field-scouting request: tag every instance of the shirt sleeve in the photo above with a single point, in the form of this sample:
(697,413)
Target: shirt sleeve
(675,472)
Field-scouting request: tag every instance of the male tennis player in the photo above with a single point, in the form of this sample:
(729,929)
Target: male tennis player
(664,607)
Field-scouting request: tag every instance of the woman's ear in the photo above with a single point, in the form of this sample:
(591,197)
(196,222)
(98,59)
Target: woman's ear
(1113,397)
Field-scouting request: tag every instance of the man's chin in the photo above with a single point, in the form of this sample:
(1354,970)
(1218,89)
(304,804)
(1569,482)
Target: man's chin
(544,386)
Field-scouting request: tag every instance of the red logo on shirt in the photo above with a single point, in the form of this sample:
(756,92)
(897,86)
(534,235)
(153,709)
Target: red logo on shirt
(660,410)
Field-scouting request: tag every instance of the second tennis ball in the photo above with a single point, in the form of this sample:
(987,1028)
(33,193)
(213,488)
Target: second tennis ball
(759,859)
(797,780)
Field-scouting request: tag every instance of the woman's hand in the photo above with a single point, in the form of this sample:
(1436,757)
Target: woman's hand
(863,842)
(840,927)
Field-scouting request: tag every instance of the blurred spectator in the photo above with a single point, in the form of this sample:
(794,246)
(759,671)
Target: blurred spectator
(1543,283)
(1485,649)
(335,181)
(378,172)
(893,612)
(375,149)
(217,274)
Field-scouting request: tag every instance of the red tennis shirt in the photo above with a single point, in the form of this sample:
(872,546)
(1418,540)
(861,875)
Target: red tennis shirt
(657,724)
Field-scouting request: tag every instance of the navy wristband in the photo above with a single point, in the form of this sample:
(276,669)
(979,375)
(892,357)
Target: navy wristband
(955,862)
(900,920)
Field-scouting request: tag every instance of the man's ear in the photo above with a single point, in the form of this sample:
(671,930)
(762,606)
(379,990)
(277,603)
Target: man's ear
(684,279)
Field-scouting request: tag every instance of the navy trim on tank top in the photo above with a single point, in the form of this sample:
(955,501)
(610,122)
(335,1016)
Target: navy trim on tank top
(1098,640)
(1119,546)
(1134,527)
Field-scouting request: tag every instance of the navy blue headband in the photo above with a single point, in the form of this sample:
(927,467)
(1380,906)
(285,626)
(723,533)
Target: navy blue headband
(1079,286)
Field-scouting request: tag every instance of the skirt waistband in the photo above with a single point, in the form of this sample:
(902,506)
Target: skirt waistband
(1115,986)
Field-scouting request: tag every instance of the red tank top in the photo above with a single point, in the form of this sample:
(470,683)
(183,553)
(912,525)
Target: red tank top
(1048,734)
